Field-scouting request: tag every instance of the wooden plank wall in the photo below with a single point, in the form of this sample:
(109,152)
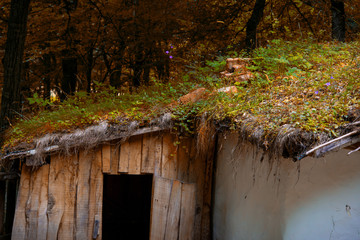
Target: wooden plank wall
(60,200)
(173,209)
(63,200)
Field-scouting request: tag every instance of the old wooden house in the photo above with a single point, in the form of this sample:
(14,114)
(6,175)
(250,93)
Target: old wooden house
(153,184)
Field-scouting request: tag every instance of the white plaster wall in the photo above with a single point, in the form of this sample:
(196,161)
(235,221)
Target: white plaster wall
(256,199)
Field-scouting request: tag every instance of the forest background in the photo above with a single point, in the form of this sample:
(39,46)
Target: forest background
(57,48)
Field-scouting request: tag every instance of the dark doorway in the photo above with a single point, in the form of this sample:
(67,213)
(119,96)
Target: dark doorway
(126,207)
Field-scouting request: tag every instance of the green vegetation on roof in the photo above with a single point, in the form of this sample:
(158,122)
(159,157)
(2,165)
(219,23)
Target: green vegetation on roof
(311,86)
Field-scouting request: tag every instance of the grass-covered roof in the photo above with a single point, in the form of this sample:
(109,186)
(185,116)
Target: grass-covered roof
(302,93)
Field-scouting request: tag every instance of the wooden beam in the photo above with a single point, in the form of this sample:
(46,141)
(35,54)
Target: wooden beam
(332,141)
(55,148)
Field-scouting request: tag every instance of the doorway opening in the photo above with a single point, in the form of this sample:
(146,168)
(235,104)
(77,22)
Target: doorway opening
(126,206)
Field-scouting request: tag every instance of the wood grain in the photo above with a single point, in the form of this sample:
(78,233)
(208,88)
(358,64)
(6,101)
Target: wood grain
(42,219)
(160,207)
(106,159)
(124,157)
(114,158)
(184,159)
(135,144)
(19,226)
(151,152)
(56,199)
(173,216)
(187,214)
(34,204)
(169,157)
(96,190)
(82,196)
(197,176)
(69,185)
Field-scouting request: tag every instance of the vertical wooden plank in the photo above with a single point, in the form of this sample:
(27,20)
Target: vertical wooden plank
(158,156)
(187,214)
(208,159)
(19,226)
(82,196)
(34,203)
(151,151)
(184,159)
(106,158)
(96,190)
(55,208)
(173,217)
(135,144)
(160,207)
(124,157)
(31,208)
(42,220)
(71,166)
(197,175)
(169,156)
(114,158)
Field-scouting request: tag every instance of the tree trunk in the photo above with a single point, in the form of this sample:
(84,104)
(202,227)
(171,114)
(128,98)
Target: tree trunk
(68,84)
(338,20)
(90,63)
(48,61)
(138,66)
(14,51)
(115,77)
(253,22)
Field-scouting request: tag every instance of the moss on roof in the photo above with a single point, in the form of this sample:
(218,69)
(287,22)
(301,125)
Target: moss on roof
(309,89)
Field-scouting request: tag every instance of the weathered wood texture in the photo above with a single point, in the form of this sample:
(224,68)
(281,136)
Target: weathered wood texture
(208,158)
(134,157)
(106,156)
(187,220)
(169,164)
(63,200)
(160,207)
(124,157)
(151,153)
(60,200)
(68,183)
(172,214)
(114,158)
(82,196)
(96,193)
(19,226)
(36,225)
(56,198)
